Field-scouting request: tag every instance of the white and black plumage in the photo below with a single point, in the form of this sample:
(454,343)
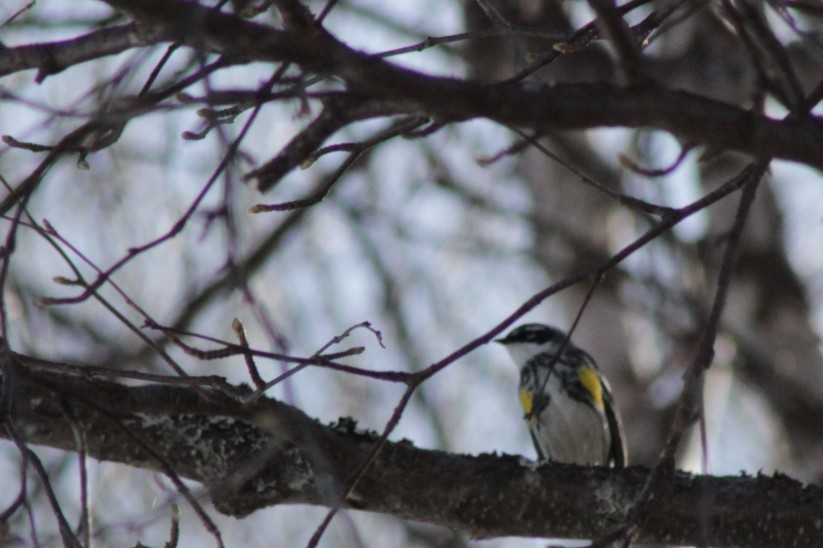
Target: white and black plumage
(567,402)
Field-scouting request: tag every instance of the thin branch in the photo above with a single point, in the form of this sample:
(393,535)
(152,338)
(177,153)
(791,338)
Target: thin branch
(433,41)
(337,113)
(656,172)
(84,525)
(18,13)
(89,136)
(768,53)
(53,237)
(94,371)
(231,349)
(365,463)
(357,150)
(164,465)
(240,332)
(178,226)
(10,380)
(612,26)
(630,202)
(579,40)
(330,4)
(337,339)
(688,406)
(174,527)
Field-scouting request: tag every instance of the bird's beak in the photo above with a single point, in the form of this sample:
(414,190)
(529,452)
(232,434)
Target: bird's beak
(499,341)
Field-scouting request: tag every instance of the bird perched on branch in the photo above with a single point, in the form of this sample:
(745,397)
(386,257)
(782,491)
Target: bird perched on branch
(567,401)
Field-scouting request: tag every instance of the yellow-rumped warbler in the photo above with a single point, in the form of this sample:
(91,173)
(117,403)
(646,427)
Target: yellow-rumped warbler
(568,404)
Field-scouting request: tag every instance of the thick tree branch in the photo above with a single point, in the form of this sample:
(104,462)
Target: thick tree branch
(51,58)
(267,453)
(691,117)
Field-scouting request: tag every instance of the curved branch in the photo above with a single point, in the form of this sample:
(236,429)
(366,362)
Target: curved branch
(691,117)
(267,453)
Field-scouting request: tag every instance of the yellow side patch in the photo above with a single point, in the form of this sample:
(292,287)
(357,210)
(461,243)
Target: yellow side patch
(527,402)
(591,382)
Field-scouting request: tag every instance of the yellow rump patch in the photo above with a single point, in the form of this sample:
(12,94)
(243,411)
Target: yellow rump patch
(588,377)
(527,402)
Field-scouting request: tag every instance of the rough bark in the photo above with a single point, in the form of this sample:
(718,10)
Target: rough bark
(253,456)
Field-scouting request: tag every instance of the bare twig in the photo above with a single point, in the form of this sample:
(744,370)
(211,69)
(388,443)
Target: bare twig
(391,424)
(611,25)
(656,172)
(229,349)
(631,202)
(84,526)
(178,226)
(688,406)
(240,332)
(167,469)
(357,149)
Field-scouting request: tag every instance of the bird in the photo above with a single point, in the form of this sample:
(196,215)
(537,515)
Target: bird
(568,404)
